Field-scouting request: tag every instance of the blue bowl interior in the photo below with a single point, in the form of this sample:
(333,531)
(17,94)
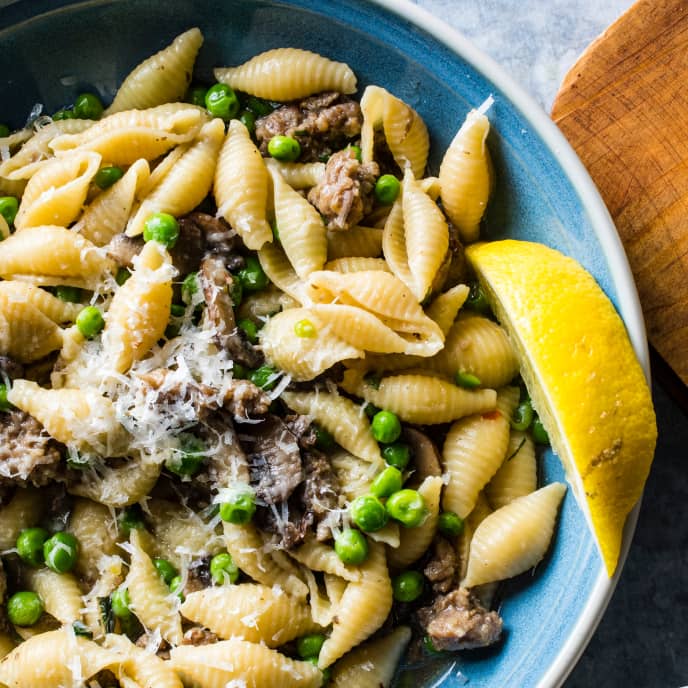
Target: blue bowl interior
(50,51)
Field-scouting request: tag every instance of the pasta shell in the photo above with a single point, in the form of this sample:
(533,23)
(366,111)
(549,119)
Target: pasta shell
(363,242)
(146,668)
(277,267)
(394,245)
(318,556)
(444,308)
(25,333)
(287,74)
(161,78)
(356,264)
(241,187)
(299,175)
(22,511)
(59,593)
(57,310)
(517,476)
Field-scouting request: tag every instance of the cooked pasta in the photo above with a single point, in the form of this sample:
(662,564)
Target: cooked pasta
(24,510)
(59,593)
(517,476)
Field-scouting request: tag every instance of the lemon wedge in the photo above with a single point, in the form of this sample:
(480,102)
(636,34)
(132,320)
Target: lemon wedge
(582,374)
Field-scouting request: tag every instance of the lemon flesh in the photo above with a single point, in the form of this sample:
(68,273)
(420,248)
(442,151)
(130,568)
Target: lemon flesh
(582,374)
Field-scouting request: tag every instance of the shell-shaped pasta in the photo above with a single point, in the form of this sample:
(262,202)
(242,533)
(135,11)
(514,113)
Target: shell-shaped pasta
(372,665)
(473,451)
(247,549)
(140,309)
(514,538)
(253,612)
(427,235)
(25,333)
(354,475)
(94,526)
(363,242)
(444,308)
(174,194)
(386,297)
(420,398)
(318,556)
(56,193)
(388,534)
(301,229)
(53,255)
(465,176)
(341,417)
(404,129)
(82,417)
(299,175)
(241,187)
(36,151)
(118,486)
(240,663)
(146,668)
(108,213)
(287,74)
(22,511)
(321,608)
(517,476)
(151,600)
(477,345)
(277,267)
(57,310)
(394,245)
(53,659)
(415,541)
(110,576)
(304,358)
(161,78)
(365,605)
(59,593)
(179,530)
(356,264)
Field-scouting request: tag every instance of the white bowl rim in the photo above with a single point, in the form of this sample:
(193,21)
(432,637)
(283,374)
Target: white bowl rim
(628,302)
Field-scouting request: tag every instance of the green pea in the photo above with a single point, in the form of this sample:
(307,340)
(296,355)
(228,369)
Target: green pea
(284,148)
(64,113)
(467,380)
(538,431)
(30,545)
(397,454)
(177,310)
(4,131)
(90,321)
(120,602)
(258,106)
(82,630)
(305,329)
(351,546)
(131,519)
(223,569)
(387,189)
(69,294)
(188,459)
(196,95)
(107,176)
(249,328)
(252,276)
(408,507)
(386,427)
(387,482)
(240,509)
(323,439)
(429,646)
(9,206)
(88,106)
(176,587)
(477,301)
(221,101)
(248,119)
(190,286)
(308,646)
(24,608)
(165,569)
(161,227)
(122,276)
(4,404)
(371,410)
(522,416)
(61,552)
(450,524)
(368,513)
(407,586)
(264,377)
(357,152)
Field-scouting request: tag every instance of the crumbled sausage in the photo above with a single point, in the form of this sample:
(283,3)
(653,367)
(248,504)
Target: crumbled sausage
(199,636)
(442,568)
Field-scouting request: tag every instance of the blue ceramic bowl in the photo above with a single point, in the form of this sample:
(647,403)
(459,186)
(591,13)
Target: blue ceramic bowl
(52,49)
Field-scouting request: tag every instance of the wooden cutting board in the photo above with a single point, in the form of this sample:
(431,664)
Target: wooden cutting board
(624,108)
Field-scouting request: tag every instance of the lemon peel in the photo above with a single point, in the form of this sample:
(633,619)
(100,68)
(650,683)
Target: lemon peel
(582,374)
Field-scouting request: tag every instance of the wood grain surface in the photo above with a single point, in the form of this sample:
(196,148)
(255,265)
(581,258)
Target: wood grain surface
(624,108)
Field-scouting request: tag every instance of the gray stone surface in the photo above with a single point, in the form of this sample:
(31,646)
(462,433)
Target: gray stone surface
(642,640)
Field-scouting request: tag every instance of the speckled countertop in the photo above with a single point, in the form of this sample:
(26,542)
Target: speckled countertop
(643,639)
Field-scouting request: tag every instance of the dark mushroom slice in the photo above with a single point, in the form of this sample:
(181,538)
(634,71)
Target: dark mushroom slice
(426,457)
(442,569)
